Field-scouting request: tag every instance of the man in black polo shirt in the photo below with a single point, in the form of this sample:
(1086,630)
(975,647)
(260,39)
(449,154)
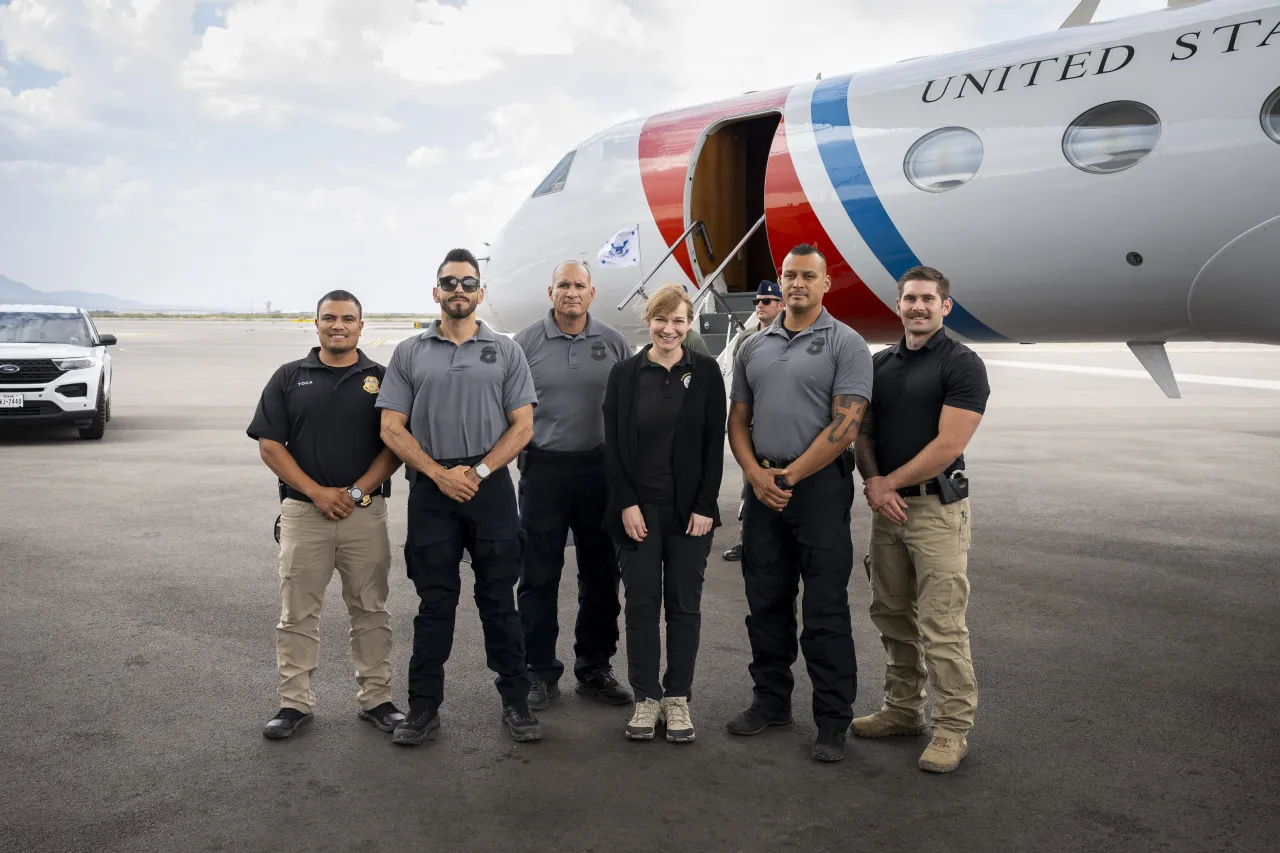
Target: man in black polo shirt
(318,430)
(929,396)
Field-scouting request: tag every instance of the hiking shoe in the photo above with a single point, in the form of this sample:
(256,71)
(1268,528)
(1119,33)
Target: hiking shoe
(756,719)
(943,754)
(647,716)
(419,726)
(675,711)
(829,745)
(543,694)
(521,725)
(600,684)
(285,723)
(385,716)
(884,723)
(734,554)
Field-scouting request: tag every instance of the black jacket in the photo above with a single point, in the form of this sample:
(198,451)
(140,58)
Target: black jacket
(699,448)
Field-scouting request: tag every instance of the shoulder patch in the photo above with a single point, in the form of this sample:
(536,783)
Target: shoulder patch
(371,385)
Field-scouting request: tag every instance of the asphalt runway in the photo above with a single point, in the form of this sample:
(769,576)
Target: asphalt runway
(1123,618)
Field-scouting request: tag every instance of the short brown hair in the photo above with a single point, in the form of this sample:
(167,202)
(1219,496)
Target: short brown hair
(927,274)
(666,300)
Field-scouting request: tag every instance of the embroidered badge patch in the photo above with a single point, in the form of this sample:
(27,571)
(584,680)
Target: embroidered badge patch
(489,354)
(816,346)
(598,351)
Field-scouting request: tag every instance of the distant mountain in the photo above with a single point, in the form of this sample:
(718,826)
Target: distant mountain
(16,292)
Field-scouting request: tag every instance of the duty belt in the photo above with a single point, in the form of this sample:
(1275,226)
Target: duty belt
(929,488)
(780,464)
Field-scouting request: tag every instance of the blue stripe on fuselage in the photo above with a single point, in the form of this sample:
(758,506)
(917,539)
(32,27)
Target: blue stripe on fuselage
(848,175)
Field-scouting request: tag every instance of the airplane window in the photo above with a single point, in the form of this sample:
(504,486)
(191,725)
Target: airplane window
(1271,116)
(943,159)
(1111,137)
(554,182)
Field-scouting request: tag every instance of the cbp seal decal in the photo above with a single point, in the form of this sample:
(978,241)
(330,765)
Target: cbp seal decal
(371,385)
(816,346)
(686,378)
(489,354)
(598,351)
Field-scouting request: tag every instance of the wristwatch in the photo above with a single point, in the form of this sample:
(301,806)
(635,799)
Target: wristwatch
(482,471)
(356,494)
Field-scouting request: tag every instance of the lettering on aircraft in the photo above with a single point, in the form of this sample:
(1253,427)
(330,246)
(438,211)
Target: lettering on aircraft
(1228,38)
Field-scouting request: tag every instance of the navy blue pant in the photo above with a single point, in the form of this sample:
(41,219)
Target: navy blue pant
(439,528)
(810,541)
(559,493)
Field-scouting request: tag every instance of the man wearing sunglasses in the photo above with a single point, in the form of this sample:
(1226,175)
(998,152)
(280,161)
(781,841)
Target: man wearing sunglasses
(457,406)
(564,485)
(768,304)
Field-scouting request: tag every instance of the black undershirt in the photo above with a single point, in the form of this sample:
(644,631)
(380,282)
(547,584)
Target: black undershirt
(659,395)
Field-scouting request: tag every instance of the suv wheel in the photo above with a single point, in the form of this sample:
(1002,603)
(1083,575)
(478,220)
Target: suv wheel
(98,427)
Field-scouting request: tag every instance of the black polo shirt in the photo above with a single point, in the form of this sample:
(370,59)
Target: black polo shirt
(659,395)
(912,386)
(324,416)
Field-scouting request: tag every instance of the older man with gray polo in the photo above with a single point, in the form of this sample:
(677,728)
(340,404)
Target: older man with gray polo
(564,486)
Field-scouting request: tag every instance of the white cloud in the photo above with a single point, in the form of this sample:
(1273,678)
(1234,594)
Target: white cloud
(427,156)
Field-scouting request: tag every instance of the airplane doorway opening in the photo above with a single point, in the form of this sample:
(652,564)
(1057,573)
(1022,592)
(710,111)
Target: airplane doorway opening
(727,193)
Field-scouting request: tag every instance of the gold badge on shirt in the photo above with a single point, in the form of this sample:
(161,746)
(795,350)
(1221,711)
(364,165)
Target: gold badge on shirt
(371,384)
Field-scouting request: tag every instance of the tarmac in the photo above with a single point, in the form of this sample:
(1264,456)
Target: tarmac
(1123,624)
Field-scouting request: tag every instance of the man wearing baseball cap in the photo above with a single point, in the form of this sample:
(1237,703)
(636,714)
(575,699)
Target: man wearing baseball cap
(768,303)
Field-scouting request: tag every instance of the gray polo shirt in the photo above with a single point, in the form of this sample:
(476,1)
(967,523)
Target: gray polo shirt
(790,382)
(570,374)
(457,397)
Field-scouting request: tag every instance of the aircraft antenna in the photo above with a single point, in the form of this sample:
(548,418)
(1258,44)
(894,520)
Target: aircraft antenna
(1083,14)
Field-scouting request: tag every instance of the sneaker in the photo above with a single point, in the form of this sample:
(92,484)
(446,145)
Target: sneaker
(734,554)
(521,725)
(543,694)
(884,723)
(647,716)
(385,716)
(756,719)
(600,684)
(829,745)
(419,725)
(675,711)
(943,754)
(285,723)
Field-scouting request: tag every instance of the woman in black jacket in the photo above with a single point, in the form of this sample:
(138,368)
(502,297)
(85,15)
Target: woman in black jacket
(664,416)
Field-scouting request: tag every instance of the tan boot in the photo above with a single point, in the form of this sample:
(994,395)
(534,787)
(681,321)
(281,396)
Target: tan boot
(944,753)
(884,723)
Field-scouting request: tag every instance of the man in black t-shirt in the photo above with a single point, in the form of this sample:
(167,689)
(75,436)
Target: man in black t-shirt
(929,396)
(317,428)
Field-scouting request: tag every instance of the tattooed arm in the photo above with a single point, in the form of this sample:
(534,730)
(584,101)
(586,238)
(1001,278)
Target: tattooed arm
(864,447)
(846,419)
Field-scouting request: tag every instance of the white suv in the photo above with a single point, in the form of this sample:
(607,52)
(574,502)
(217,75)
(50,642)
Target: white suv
(54,368)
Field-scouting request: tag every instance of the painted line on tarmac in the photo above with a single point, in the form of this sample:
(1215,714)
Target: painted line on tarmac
(1190,378)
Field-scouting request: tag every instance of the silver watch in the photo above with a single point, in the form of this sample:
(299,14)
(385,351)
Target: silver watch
(356,494)
(482,471)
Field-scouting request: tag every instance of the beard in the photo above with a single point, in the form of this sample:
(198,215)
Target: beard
(459,311)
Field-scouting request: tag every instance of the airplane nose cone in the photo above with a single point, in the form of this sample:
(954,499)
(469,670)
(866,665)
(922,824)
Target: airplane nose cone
(1236,295)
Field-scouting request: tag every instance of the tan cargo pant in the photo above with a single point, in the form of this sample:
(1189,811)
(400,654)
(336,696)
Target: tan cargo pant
(919,593)
(311,547)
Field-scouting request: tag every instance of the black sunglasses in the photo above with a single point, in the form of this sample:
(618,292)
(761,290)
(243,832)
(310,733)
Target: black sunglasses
(768,300)
(450,283)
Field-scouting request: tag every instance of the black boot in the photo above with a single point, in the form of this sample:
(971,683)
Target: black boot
(385,716)
(600,684)
(543,694)
(420,725)
(285,723)
(829,745)
(520,722)
(756,719)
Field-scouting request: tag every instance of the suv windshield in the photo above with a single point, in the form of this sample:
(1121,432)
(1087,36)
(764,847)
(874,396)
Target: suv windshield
(21,327)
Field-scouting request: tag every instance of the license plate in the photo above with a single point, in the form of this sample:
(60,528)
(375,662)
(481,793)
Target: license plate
(10,401)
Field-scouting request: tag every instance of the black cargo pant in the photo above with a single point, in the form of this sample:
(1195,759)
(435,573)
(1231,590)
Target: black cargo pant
(664,572)
(810,541)
(560,492)
(489,528)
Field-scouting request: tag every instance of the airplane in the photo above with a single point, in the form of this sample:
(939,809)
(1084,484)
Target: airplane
(1103,182)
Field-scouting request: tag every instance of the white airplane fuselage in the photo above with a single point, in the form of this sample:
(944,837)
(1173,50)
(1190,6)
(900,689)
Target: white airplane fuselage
(1180,244)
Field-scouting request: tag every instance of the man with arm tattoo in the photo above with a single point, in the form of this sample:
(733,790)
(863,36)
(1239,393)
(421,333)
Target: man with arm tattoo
(930,394)
(800,388)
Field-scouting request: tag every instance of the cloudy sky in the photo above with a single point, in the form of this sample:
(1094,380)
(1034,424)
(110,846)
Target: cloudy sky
(226,152)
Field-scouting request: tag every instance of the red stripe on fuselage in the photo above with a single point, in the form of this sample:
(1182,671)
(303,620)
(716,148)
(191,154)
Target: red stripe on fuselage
(666,148)
(791,220)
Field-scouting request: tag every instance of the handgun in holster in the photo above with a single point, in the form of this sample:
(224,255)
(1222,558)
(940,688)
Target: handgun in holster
(953,488)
